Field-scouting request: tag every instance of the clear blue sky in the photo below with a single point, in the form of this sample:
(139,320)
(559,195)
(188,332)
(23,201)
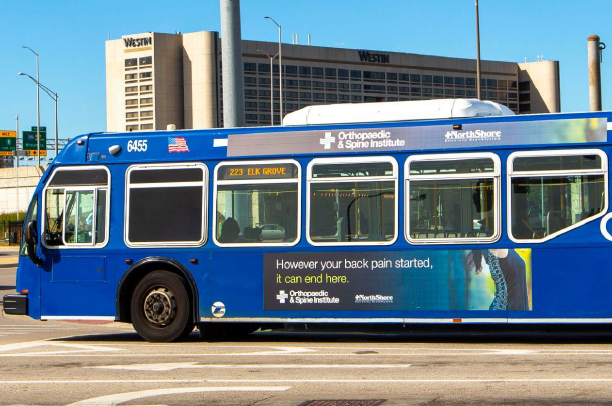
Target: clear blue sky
(69,35)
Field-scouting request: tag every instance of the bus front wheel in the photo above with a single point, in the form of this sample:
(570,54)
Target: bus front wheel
(160,308)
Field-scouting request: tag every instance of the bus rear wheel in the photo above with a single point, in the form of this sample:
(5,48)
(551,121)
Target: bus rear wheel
(160,308)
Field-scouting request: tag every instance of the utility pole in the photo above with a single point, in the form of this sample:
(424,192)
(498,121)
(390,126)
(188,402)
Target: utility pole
(280,64)
(478,87)
(231,58)
(17,165)
(595,47)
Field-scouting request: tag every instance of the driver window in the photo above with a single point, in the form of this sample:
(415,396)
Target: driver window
(75,209)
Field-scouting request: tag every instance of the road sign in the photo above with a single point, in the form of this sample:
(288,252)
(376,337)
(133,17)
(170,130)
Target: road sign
(43,152)
(6,153)
(8,142)
(29,140)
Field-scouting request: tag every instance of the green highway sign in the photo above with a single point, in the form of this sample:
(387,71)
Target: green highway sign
(8,141)
(30,142)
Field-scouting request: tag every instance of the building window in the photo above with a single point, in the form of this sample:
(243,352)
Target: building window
(131,114)
(146,75)
(426,79)
(426,91)
(356,86)
(250,67)
(330,73)
(305,95)
(438,91)
(404,90)
(344,97)
(502,83)
(470,93)
(342,85)
(146,88)
(374,88)
(291,70)
(146,100)
(318,96)
(130,76)
(470,82)
(330,85)
(131,102)
(552,192)
(404,77)
(448,80)
(264,67)
(250,81)
(449,92)
(438,80)
(415,78)
(131,89)
(331,97)
(131,62)
(292,83)
(305,84)
(523,86)
(352,202)
(146,126)
(356,74)
(452,198)
(491,83)
(147,113)
(391,77)
(356,98)
(373,76)
(154,192)
(459,81)
(343,73)
(257,203)
(416,90)
(392,89)
(131,128)
(304,70)
(145,60)
(292,95)
(317,72)
(318,84)
(460,93)
(252,93)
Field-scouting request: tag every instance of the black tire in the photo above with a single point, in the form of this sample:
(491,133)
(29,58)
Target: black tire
(160,308)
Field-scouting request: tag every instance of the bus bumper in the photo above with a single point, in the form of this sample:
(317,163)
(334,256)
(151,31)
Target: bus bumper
(16,304)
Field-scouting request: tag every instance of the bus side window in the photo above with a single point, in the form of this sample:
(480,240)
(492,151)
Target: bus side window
(257,203)
(555,191)
(75,207)
(352,201)
(452,198)
(166,205)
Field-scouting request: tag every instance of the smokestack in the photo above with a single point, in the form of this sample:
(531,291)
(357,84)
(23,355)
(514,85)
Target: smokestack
(594,72)
(308,39)
(231,58)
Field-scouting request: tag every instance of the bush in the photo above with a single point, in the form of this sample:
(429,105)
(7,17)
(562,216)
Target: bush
(12,216)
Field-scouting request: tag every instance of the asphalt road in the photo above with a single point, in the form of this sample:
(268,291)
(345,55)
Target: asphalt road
(71,363)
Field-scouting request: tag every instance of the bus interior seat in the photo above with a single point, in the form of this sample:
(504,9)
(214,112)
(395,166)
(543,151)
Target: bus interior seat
(252,234)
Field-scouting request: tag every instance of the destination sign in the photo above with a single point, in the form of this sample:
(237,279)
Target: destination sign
(254,172)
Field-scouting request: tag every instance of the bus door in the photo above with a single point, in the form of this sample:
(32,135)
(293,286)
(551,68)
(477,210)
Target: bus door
(75,269)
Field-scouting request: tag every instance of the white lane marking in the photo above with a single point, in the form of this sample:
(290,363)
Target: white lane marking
(193,355)
(104,381)
(194,365)
(43,343)
(362,381)
(126,397)
(279,351)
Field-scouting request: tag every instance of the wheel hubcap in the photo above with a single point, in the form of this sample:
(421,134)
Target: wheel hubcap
(159,306)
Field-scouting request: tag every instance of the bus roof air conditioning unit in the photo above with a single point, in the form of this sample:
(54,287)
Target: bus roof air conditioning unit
(395,111)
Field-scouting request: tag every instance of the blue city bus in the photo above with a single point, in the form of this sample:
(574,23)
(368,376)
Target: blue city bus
(462,220)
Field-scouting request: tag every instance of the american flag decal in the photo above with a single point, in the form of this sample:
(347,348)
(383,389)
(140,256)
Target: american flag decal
(177,144)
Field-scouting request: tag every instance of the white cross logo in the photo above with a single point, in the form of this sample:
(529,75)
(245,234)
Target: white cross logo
(282,296)
(328,140)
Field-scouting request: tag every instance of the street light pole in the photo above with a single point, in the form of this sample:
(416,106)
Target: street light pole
(37,105)
(17,165)
(280,65)
(478,87)
(271,58)
(53,96)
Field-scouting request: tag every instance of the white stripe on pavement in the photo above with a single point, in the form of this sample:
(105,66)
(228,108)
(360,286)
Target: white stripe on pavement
(126,397)
(194,365)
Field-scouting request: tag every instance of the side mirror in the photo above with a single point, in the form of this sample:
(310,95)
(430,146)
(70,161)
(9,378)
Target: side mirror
(31,241)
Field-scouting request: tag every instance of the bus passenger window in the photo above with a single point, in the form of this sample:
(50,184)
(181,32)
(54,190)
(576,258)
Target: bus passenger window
(75,202)
(352,202)
(451,199)
(166,205)
(257,203)
(544,203)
